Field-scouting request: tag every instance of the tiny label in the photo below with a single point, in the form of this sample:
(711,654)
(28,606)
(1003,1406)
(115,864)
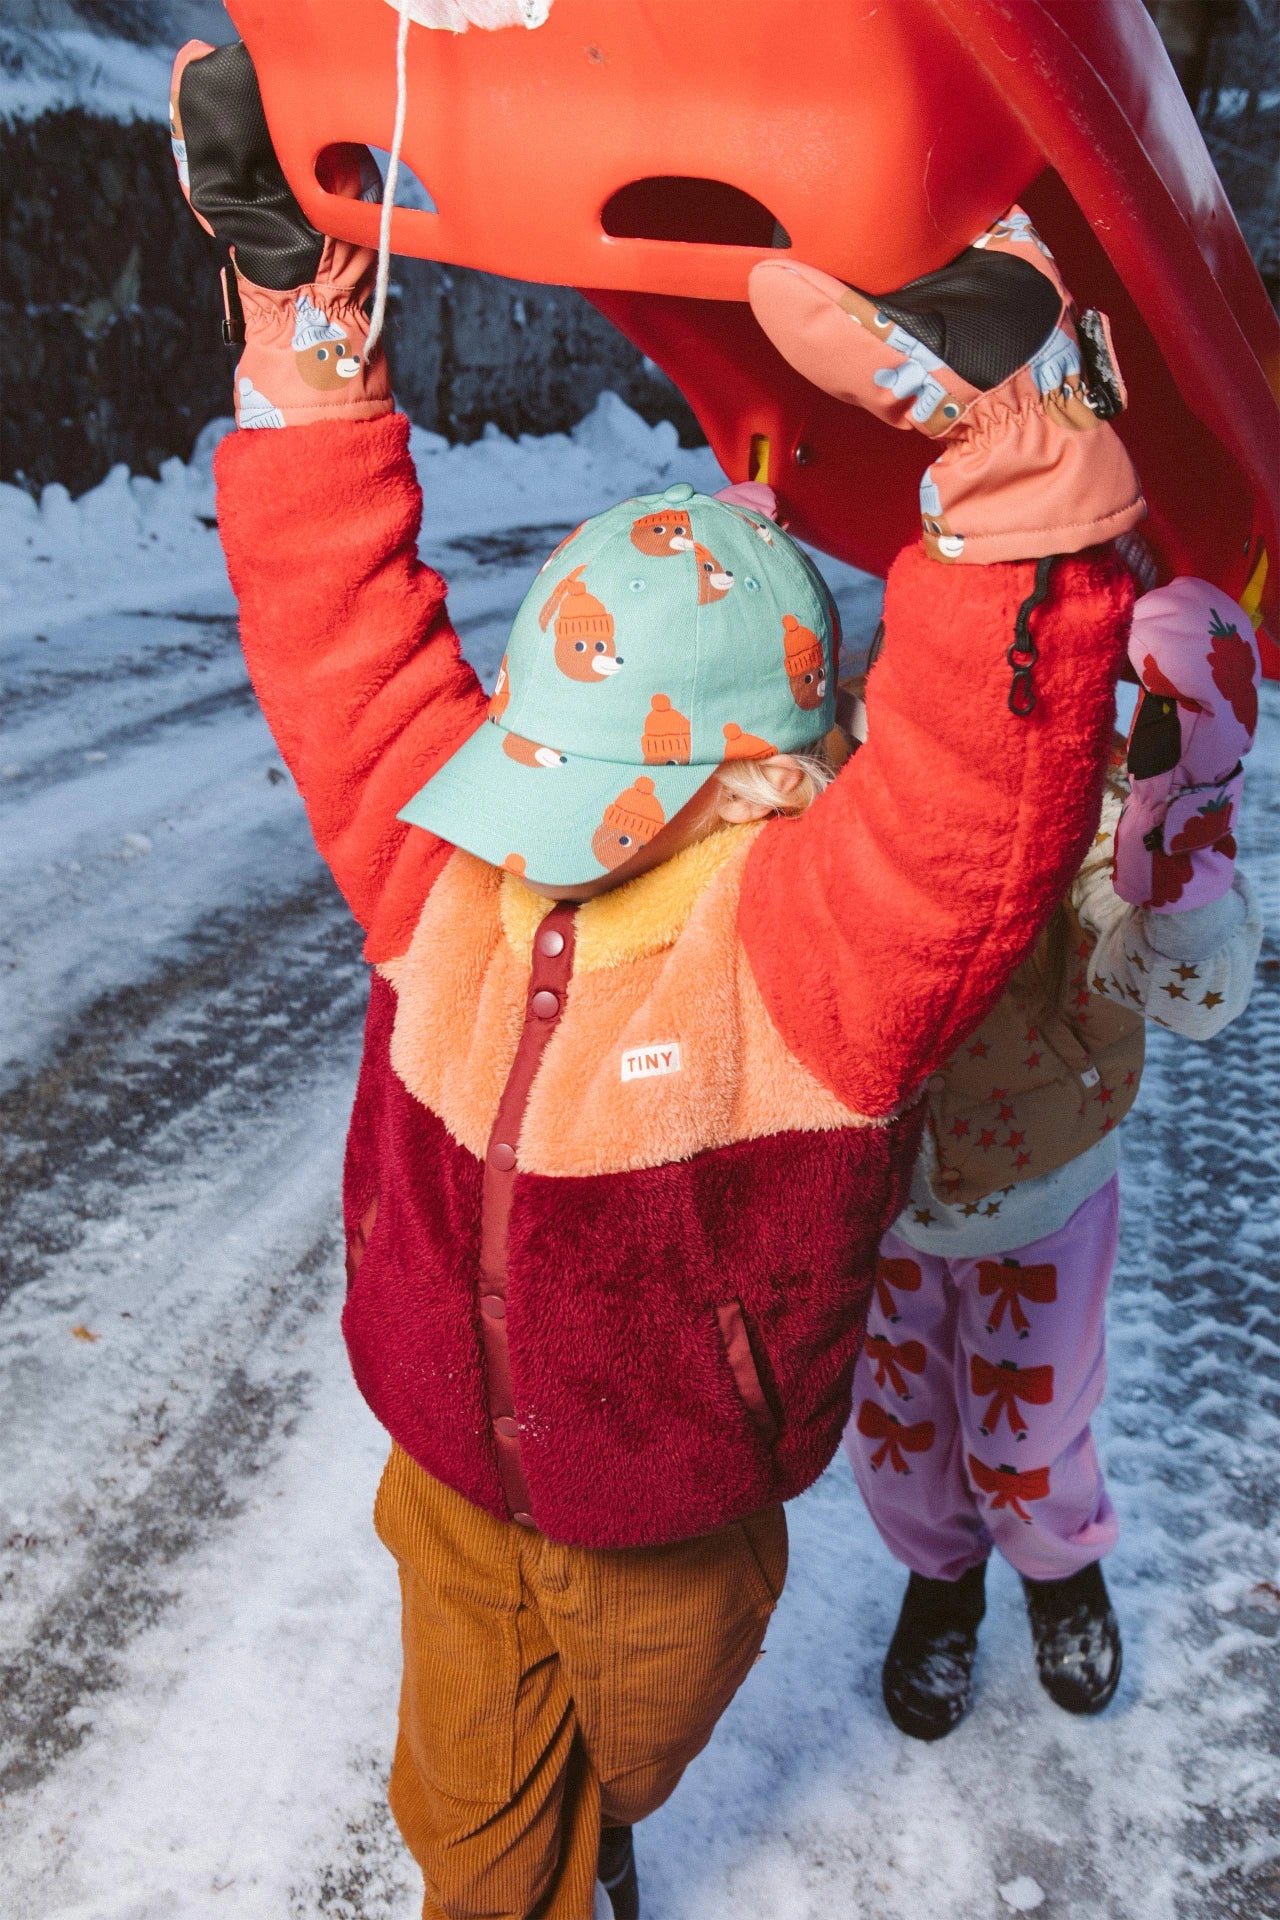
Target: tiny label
(1090,1077)
(646,1063)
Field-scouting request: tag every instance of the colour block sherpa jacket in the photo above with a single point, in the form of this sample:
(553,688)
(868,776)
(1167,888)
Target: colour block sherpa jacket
(616,1176)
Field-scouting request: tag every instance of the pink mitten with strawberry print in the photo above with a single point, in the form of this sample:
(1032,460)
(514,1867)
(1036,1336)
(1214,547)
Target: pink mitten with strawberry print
(1196,657)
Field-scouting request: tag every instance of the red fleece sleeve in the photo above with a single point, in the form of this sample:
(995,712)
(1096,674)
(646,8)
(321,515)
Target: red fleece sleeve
(883,924)
(349,646)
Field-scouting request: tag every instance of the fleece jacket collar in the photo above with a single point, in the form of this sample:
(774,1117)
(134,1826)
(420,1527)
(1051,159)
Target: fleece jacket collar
(644,917)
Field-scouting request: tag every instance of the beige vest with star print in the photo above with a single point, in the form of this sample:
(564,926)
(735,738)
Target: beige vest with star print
(1028,1092)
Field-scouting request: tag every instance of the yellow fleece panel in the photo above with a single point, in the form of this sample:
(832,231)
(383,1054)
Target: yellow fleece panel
(667,983)
(642,917)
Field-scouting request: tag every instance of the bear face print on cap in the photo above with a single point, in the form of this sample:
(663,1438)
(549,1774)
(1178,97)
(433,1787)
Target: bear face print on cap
(630,822)
(501,695)
(664,535)
(528,753)
(805,662)
(663,638)
(583,629)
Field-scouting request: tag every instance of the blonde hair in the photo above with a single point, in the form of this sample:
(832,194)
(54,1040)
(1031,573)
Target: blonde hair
(746,780)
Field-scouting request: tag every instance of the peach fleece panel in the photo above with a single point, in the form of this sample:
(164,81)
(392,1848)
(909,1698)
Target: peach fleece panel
(735,1079)
(460,1002)
(658,962)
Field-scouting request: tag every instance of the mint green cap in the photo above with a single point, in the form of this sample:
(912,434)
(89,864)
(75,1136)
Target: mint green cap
(662,638)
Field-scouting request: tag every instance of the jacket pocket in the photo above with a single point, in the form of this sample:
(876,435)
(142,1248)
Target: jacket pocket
(358,1242)
(742,1365)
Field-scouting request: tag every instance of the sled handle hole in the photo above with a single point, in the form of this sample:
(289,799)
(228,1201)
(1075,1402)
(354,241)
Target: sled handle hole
(708,213)
(412,194)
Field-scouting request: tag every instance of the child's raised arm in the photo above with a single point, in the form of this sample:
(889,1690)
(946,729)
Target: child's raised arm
(346,634)
(884,924)
(350,648)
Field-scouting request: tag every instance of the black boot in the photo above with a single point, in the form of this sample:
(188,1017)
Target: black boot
(928,1670)
(1077,1639)
(617,1872)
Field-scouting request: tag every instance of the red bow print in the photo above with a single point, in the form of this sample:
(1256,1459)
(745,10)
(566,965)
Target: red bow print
(1007,1385)
(1008,1487)
(891,1362)
(875,1424)
(902,1274)
(1012,1284)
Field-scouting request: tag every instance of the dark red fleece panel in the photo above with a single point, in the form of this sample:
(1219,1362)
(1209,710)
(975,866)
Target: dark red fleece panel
(633,1429)
(883,924)
(637,1432)
(350,648)
(411,1317)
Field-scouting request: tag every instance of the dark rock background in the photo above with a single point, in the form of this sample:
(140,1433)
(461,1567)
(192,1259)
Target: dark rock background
(113,296)
(110,301)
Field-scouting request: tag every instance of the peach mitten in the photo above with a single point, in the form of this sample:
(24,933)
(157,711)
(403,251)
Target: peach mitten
(989,356)
(294,297)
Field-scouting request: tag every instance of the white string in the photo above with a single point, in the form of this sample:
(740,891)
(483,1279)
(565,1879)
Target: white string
(389,187)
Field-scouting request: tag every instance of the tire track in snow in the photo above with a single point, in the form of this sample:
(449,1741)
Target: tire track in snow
(1199,1431)
(152,1078)
(131,1574)
(210,1037)
(68,763)
(366,1877)
(29,685)
(1215,1259)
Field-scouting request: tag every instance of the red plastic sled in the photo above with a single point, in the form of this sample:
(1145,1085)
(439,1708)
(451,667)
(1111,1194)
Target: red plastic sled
(651,155)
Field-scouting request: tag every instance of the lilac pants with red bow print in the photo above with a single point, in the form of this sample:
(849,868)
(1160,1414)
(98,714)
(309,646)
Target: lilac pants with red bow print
(972,1400)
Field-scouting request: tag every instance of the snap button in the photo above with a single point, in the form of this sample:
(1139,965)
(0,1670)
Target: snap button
(551,942)
(493,1306)
(679,493)
(507,1427)
(546,1004)
(524,1520)
(502,1156)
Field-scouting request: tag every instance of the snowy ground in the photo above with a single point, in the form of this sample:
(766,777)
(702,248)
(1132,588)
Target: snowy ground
(198,1636)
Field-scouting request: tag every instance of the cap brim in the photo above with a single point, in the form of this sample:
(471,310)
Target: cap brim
(538,821)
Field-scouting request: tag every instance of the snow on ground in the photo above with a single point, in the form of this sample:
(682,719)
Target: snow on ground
(198,1633)
(43,71)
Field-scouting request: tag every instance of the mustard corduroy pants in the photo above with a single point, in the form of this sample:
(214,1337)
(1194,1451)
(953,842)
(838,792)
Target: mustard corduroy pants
(550,1690)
